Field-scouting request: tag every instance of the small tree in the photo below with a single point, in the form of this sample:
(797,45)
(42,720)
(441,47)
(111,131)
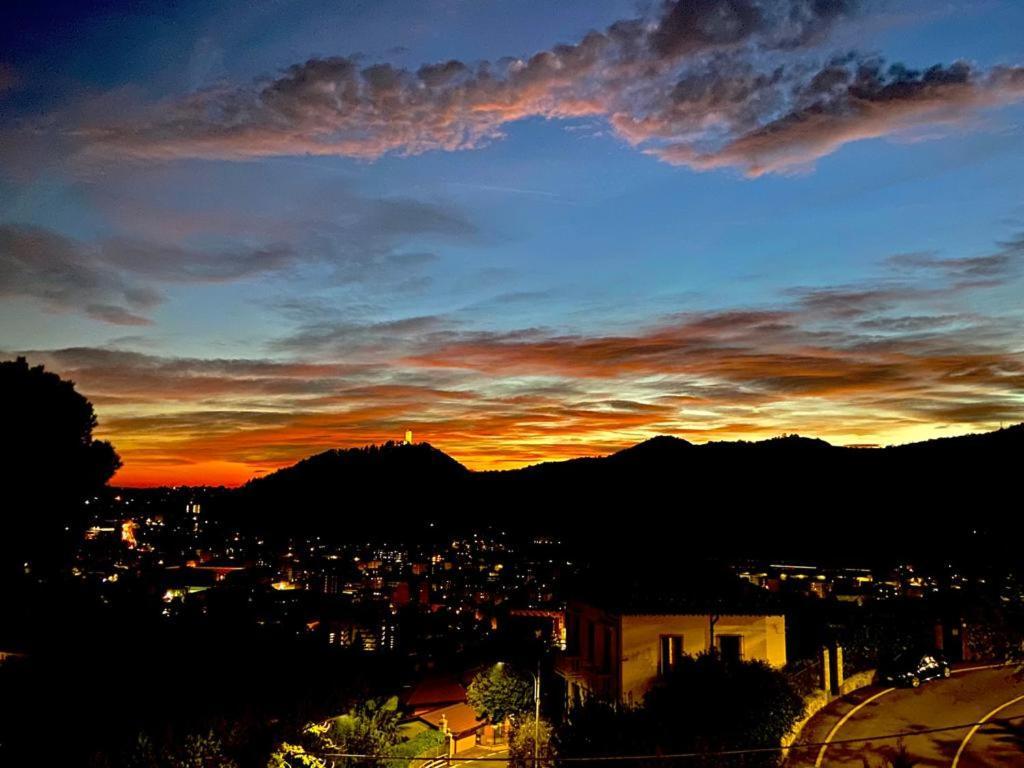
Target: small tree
(499,694)
(196,750)
(294,755)
(201,751)
(369,729)
(521,743)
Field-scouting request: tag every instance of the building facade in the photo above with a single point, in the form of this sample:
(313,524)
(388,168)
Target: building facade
(618,655)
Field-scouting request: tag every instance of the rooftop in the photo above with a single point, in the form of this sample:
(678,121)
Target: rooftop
(461,718)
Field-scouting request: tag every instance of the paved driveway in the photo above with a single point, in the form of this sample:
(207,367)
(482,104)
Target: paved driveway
(873,713)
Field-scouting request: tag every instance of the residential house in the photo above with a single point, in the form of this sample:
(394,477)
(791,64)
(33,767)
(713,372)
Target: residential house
(618,650)
(459,722)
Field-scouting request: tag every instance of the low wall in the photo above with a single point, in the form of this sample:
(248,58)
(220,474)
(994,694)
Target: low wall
(817,700)
(813,703)
(857,681)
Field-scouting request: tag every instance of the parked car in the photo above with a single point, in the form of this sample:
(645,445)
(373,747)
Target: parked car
(912,669)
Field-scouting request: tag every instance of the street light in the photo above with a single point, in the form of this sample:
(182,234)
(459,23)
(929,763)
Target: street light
(536,712)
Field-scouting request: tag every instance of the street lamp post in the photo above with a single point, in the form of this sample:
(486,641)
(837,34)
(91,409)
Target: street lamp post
(536,717)
(536,713)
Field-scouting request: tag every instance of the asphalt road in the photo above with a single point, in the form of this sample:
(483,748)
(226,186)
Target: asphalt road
(968,697)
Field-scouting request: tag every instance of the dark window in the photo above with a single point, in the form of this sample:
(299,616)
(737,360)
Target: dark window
(606,655)
(730,647)
(671,652)
(572,631)
(591,655)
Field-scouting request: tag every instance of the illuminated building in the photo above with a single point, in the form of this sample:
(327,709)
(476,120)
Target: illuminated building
(617,653)
(128,528)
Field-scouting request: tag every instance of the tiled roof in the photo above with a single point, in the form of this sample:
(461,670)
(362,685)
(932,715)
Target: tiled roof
(460,718)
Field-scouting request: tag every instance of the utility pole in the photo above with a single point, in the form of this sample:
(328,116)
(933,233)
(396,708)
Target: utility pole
(536,717)
(536,713)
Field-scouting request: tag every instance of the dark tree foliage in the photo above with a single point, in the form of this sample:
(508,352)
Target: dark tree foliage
(126,682)
(596,728)
(705,706)
(500,693)
(53,462)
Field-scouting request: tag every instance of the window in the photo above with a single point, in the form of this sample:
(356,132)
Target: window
(606,650)
(730,647)
(572,645)
(671,653)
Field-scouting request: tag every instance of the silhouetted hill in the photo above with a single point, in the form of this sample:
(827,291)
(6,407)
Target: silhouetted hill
(355,491)
(791,494)
(657,449)
(417,463)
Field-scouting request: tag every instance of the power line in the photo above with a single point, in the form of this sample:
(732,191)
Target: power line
(687,755)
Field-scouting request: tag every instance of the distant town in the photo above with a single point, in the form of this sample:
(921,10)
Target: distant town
(422,597)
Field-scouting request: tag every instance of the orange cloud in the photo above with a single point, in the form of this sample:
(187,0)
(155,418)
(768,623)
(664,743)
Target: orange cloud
(864,363)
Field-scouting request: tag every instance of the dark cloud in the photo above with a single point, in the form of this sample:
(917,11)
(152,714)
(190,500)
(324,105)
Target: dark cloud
(180,265)
(115,315)
(969,271)
(68,276)
(703,83)
(688,27)
(850,100)
(626,73)
(109,280)
(348,239)
(327,335)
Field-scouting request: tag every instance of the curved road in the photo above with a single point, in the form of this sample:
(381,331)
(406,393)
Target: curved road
(968,697)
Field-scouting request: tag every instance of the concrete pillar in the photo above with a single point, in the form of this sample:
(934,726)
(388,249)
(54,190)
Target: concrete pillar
(838,673)
(826,670)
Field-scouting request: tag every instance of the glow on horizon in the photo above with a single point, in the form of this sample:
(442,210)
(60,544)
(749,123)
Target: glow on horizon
(146,473)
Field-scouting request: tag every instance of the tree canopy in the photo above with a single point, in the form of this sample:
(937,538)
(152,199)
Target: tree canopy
(500,693)
(54,462)
(705,705)
(370,728)
(521,744)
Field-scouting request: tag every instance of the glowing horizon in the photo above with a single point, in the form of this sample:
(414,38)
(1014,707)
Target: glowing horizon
(233,475)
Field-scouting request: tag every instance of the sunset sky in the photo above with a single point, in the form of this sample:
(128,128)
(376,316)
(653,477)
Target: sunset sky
(524,230)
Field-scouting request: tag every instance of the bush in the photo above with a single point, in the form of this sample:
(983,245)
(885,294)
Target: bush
(710,705)
(521,741)
(706,705)
(428,742)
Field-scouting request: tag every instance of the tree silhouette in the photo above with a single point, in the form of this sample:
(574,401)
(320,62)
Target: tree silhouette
(705,705)
(52,465)
(498,693)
